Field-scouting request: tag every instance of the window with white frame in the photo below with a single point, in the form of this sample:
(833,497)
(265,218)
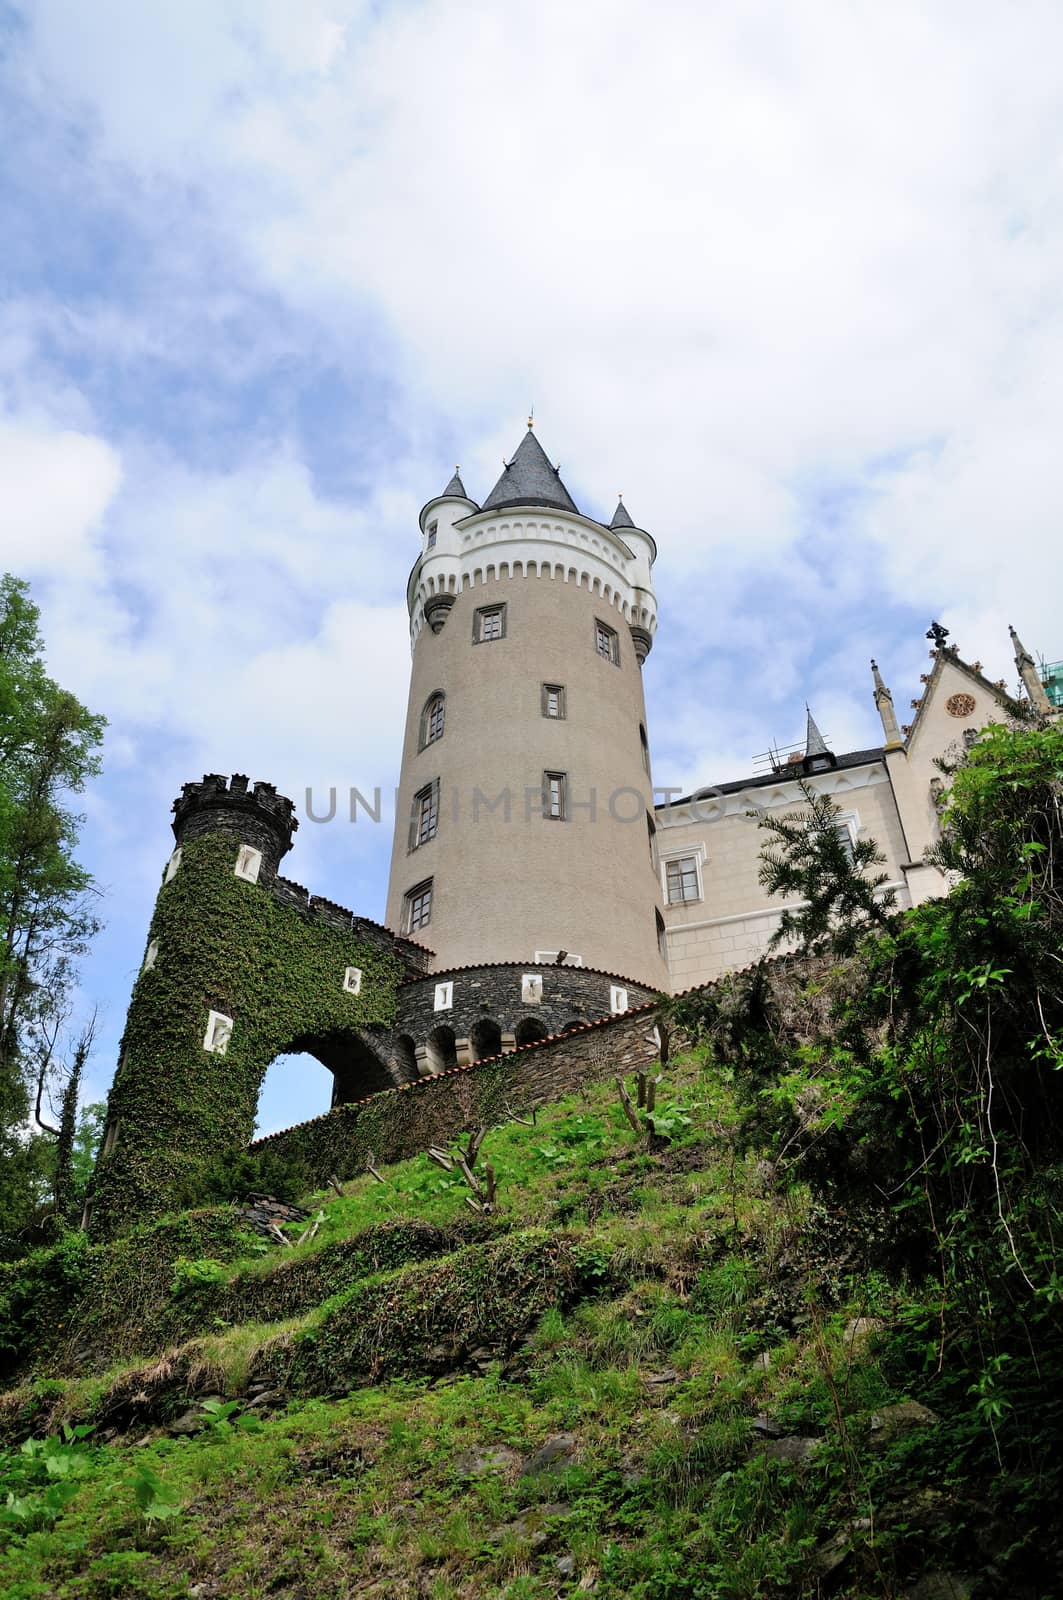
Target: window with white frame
(682,880)
(417,907)
(847,828)
(433,528)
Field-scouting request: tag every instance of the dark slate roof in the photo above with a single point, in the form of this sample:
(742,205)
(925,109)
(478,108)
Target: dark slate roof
(455,489)
(621,517)
(529,480)
(815,744)
(763,780)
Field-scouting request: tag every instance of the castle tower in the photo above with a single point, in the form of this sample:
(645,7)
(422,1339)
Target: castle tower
(525,815)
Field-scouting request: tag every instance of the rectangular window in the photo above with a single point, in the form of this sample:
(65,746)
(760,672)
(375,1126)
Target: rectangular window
(681,876)
(606,642)
(425,820)
(844,830)
(489,622)
(432,529)
(553,700)
(662,936)
(651,830)
(554,787)
(418,907)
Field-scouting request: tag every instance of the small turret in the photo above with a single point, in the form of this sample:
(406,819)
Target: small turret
(884,705)
(1030,676)
(817,757)
(259,817)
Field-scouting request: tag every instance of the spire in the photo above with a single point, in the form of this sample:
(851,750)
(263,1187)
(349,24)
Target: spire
(455,489)
(1030,676)
(884,704)
(815,744)
(621,516)
(529,480)
(817,757)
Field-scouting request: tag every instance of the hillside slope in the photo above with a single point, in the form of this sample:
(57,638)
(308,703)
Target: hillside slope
(646,1374)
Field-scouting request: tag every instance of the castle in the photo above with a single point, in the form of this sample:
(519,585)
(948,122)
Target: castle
(536,884)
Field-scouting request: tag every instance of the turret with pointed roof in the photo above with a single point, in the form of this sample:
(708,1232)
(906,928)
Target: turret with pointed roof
(530,480)
(621,516)
(530,621)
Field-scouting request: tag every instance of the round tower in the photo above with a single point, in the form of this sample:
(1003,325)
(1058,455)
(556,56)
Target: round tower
(263,820)
(525,816)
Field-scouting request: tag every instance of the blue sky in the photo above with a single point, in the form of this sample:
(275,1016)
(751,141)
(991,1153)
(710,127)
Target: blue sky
(787,275)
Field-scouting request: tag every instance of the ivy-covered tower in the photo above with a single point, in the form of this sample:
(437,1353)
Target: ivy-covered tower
(525,830)
(241,966)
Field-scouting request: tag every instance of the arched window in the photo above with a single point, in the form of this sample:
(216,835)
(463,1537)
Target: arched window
(433,718)
(529,1031)
(486,1039)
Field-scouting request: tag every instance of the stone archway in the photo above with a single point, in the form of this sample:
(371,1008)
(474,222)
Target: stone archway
(357,1070)
(441,1048)
(486,1039)
(530,1030)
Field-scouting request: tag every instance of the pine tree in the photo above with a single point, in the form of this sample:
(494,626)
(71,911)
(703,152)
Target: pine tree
(817,863)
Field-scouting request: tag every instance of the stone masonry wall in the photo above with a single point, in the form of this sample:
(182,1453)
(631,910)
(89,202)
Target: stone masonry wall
(492,994)
(401,1122)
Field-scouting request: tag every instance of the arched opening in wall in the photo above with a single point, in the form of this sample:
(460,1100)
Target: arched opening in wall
(315,1074)
(294,1089)
(441,1047)
(404,1058)
(530,1031)
(573,1022)
(486,1039)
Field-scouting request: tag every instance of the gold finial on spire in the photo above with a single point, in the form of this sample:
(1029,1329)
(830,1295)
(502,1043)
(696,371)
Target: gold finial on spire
(531,417)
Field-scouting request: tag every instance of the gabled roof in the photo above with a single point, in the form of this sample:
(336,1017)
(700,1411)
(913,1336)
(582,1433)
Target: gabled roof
(529,480)
(947,655)
(621,516)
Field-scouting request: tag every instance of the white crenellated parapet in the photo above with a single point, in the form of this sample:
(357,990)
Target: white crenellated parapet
(471,550)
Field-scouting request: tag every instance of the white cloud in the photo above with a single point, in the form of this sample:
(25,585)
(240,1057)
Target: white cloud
(58,485)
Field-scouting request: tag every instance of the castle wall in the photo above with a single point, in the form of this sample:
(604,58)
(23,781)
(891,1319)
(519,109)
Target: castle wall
(402,1122)
(507,881)
(493,993)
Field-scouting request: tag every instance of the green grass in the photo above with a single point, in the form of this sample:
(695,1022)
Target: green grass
(684,1304)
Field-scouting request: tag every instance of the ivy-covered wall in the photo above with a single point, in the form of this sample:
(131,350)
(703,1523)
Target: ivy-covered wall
(234,947)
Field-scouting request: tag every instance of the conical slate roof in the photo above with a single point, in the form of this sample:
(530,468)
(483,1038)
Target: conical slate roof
(815,744)
(455,489)
(621,517)
(529,480)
